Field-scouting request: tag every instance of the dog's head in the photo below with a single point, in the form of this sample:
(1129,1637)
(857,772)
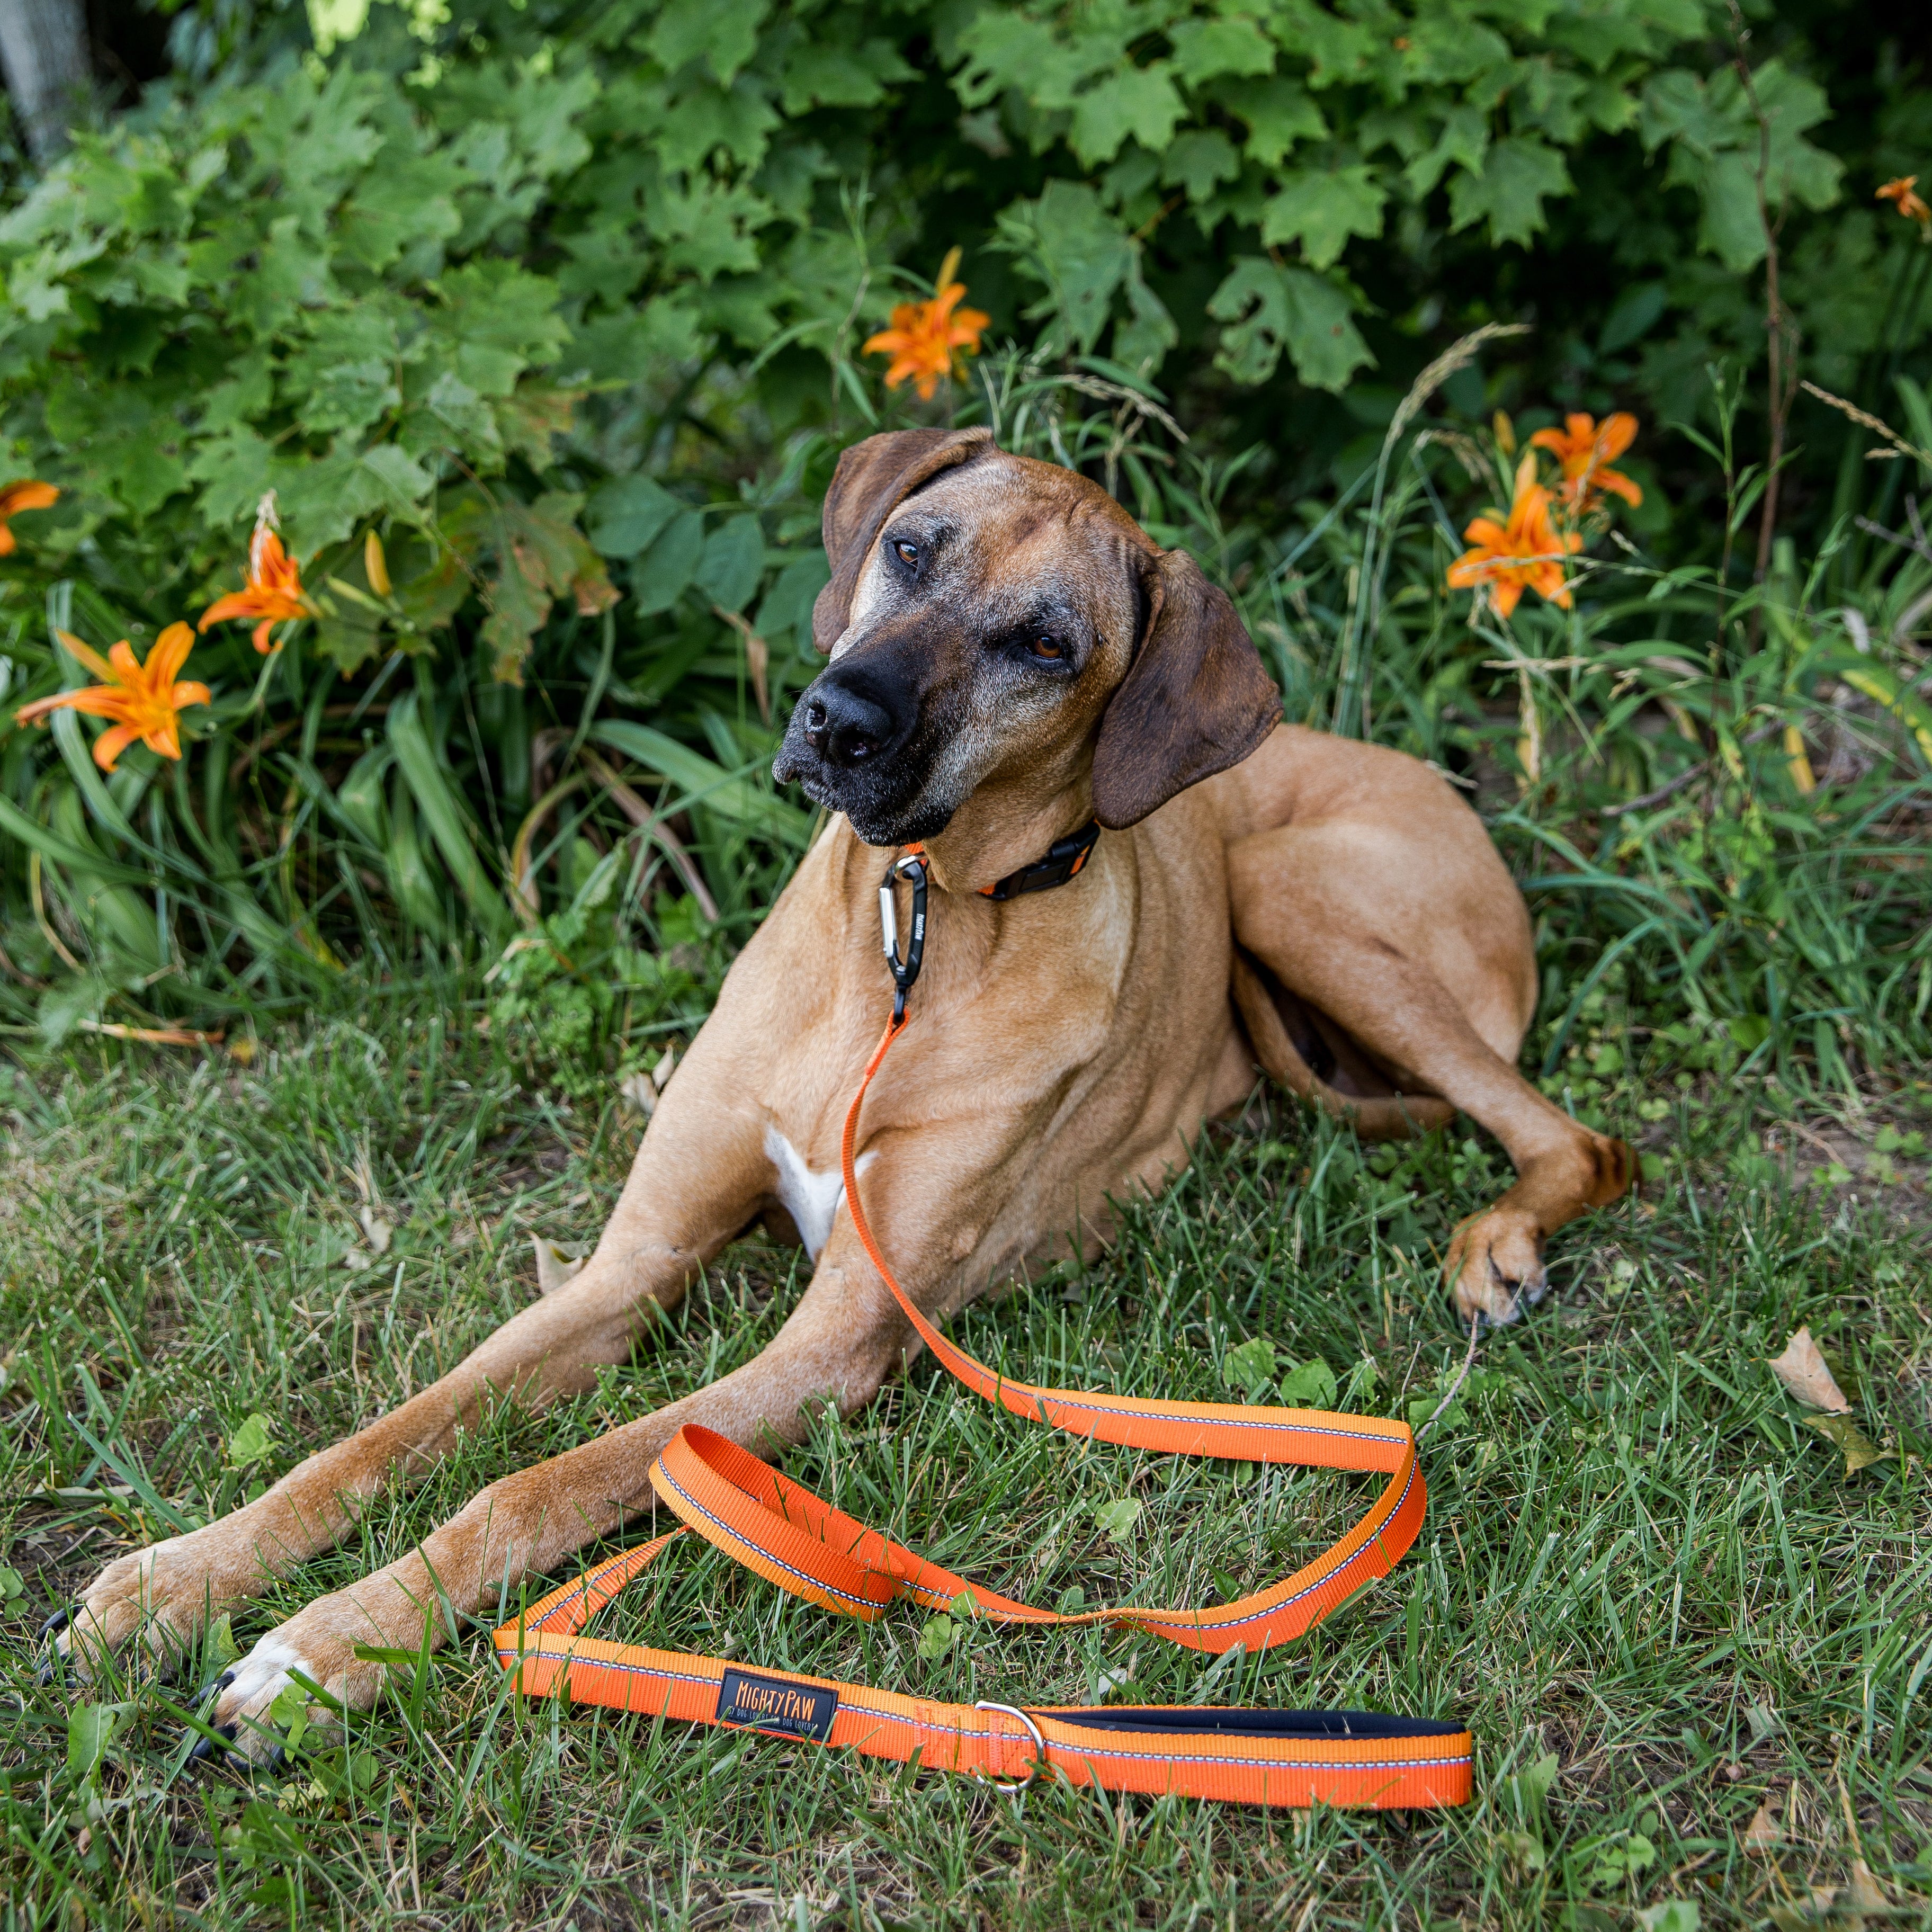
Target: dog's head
(990,618)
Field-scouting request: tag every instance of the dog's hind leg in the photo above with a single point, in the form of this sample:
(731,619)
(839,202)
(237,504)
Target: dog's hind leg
(701,1175)
(1415,957)
(1312,1057)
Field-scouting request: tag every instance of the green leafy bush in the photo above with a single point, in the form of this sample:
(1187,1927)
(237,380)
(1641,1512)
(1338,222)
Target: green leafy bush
(564,307)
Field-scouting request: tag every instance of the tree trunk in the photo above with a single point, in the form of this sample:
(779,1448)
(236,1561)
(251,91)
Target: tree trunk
(44,53)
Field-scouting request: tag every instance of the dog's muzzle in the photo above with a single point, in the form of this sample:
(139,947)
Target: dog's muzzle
(850,745)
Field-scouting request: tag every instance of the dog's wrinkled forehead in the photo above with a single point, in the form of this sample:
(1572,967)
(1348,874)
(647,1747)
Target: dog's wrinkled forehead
(1016,542)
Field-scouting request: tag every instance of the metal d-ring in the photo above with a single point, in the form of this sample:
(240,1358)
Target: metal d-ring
(1038,1748)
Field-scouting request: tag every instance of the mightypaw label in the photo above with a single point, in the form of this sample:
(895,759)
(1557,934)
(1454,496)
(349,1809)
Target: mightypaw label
(771,1704)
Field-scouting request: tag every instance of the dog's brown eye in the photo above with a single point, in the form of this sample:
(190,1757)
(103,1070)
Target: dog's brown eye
(908,552)
(1049,648)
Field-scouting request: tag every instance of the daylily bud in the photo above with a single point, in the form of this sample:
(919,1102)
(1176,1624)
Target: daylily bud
(1505,431)
(376,564)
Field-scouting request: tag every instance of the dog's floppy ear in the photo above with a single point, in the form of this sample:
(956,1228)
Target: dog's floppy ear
(1194,701)
(874,477)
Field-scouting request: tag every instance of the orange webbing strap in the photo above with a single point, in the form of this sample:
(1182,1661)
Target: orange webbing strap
(793,1538)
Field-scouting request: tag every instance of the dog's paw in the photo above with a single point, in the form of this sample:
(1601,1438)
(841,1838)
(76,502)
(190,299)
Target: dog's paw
(160,1595)
(317,1645)
(1495,1265)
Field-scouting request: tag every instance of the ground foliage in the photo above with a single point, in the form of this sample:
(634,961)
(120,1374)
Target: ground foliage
(1694,1652)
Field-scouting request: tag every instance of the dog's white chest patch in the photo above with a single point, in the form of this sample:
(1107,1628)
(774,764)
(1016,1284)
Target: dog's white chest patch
(810,1195)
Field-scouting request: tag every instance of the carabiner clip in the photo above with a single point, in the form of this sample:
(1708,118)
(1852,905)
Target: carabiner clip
(912,868)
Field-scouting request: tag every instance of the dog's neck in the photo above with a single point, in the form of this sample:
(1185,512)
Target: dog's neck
(1008,824)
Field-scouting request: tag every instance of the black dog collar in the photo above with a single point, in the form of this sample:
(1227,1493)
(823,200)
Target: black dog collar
(1064,859)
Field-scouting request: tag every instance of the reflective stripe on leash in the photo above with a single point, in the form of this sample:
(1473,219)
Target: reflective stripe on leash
(795,1540)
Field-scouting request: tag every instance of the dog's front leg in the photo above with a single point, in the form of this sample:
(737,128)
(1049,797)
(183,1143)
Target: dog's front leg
(697,1178)
(845,1337)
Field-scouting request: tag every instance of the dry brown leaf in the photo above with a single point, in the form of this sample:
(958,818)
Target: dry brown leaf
(757,661)
(1860,1450)
(1801,1369)
(1764,1831)
(151,1036)
(1864,1893)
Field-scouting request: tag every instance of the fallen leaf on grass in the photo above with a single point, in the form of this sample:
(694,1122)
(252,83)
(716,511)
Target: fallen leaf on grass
(1801,1917)
(1864,1893)
(1802,1369)
(1763,1832)
(381,1232)
(1860,1450)
(152,1035)
(555,1265)
(1117,1519)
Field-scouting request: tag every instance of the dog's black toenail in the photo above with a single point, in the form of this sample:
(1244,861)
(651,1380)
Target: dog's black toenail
(53,1666)
(213,1687)
(205,1747)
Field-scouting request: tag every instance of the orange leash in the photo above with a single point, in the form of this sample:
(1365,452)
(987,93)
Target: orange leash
(795,1540)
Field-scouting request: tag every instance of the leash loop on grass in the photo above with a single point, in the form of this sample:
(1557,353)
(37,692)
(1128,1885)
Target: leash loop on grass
(794,1539)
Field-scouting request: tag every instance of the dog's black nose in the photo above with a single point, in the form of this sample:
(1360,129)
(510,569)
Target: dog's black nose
(844,727)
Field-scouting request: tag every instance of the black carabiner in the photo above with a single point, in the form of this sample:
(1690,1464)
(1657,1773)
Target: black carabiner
(911,868)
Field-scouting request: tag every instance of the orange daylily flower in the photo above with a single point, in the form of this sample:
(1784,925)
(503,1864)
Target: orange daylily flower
(925,339)
(274,592)
(1586,449)
(1528,553)
(144,700)
(15,497)
(1901,191)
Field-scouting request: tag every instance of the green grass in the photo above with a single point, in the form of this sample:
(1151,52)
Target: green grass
(1638,1567)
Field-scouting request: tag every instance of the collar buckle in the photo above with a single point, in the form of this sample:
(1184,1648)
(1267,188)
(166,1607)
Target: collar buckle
(1064,859)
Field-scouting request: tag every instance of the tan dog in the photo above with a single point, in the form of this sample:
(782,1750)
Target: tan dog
(1011,658)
